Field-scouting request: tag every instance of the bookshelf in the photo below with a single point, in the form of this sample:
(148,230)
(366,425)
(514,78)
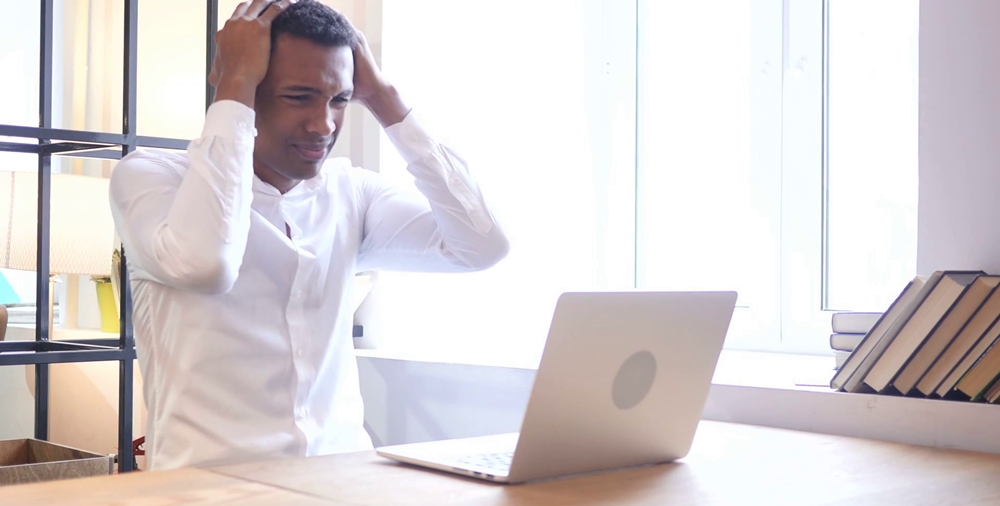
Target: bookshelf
(46,142)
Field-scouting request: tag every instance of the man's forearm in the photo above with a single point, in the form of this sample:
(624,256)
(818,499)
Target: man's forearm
(459,234)
(387,106)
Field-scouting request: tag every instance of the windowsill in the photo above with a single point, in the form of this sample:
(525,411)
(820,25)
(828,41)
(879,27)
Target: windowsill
(774,370)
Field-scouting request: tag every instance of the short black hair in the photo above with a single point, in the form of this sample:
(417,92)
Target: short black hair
(316,22)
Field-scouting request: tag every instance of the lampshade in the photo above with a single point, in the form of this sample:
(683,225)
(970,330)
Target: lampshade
(81,232)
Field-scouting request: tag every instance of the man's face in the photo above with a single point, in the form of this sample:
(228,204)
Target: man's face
(300,109)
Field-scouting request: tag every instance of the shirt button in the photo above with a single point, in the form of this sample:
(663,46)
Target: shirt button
(299,352)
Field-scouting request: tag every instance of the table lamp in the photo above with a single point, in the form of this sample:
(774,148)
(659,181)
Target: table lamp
(81,230)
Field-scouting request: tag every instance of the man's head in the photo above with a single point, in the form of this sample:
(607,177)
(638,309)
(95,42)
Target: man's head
(300,103)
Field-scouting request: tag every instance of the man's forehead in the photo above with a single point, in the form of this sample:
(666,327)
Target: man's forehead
(292,47)
(334,90)
(304,64)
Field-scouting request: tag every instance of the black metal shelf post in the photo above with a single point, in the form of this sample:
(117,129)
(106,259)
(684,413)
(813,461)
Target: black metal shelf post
(51,142)
(44,199)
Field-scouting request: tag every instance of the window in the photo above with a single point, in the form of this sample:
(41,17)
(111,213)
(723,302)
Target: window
(664,145)
(539,98)
(87,95)
(709,202)
(171,63)
(872,142)
(18,106)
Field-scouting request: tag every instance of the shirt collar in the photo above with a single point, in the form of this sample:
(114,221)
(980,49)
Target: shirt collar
(305,187)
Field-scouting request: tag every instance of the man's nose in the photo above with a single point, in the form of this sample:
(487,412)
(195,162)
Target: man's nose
(322,122)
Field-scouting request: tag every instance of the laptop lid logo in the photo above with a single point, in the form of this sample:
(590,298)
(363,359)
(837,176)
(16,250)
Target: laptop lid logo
(634,380)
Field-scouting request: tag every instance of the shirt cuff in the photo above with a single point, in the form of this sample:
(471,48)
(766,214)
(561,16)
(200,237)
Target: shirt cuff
(410,139)
(230,119)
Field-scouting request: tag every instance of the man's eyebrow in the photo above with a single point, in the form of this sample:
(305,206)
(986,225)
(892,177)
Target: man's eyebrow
(301,89)
(298,88)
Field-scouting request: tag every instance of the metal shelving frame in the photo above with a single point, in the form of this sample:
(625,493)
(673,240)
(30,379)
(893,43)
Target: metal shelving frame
(51,142)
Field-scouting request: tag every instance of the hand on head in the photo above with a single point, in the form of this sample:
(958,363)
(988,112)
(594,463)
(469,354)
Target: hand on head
(368,79)
(243,49)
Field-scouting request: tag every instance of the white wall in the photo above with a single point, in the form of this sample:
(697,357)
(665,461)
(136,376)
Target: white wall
(959,199)
(17,405)
(411,401)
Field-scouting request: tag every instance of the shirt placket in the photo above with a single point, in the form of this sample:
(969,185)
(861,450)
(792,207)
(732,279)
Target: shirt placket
(298,327)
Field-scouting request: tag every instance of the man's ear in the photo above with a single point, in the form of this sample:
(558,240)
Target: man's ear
(259,97)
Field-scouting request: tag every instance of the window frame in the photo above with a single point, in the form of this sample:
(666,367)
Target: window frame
(805,322)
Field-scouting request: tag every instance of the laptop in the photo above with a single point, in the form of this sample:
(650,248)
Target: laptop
(622,382)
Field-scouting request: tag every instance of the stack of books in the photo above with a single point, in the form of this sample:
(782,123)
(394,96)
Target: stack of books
(938,339)
(849,328)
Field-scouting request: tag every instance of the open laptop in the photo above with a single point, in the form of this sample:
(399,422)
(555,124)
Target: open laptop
(622,382)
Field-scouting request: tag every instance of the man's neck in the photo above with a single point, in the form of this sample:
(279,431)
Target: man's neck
(280,183)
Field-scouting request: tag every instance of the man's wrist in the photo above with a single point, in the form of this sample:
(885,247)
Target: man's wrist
(238,89)
(387,106)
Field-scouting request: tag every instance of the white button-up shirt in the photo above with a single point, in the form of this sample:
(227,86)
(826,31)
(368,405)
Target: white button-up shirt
(244,332)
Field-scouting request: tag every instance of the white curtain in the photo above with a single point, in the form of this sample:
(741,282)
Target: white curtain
(88,75)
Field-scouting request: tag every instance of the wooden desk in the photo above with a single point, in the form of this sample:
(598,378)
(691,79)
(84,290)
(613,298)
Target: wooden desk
(166,488)
(728,465)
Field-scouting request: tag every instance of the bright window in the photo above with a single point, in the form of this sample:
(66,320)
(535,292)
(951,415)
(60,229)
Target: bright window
(872,128)
(532,96)
(710,155)
(770,149)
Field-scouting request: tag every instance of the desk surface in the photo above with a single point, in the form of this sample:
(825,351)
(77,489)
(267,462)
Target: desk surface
(728,464)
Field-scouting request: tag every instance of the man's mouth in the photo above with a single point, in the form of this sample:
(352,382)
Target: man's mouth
(311,153)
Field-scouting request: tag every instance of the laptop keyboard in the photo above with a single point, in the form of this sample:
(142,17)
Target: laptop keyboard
(495,461)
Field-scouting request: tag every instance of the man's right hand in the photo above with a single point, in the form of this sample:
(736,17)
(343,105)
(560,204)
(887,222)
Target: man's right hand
(244,50)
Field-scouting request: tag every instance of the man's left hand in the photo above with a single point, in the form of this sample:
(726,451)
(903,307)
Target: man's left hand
(372,89)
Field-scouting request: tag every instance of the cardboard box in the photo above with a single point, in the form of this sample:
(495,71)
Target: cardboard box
(31,460)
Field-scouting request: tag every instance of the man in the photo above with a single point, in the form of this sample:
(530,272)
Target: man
(242,252)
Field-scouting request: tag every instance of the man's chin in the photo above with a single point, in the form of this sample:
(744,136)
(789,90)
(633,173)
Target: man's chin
(307,170)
